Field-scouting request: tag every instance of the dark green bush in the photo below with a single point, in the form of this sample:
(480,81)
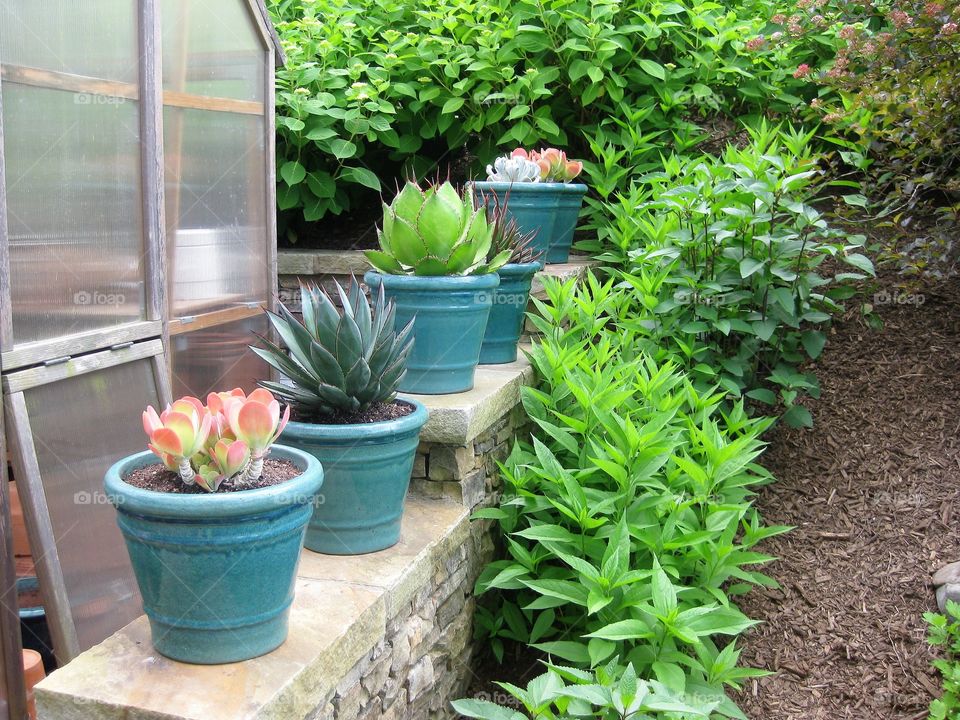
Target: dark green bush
(382,89)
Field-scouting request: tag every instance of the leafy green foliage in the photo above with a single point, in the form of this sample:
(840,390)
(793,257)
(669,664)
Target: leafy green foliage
(892,85)
(390,88)
(945,633)
(609,693)
(735,272)
(628,519)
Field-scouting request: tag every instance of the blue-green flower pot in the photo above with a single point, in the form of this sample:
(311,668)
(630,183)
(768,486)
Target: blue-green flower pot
(569,203)
(506,316)
(216,572)
(451,315)
(367,469)
(533,205)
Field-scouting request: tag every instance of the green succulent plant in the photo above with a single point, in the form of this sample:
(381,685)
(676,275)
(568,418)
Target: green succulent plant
(435,231)
(337,360)
(506,234)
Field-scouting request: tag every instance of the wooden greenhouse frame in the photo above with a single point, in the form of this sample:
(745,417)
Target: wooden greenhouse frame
(39,364)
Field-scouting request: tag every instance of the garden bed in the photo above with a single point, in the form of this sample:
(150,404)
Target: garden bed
(872,490)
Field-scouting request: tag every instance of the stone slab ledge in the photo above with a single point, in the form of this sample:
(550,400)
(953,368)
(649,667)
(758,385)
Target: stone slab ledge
(339,615)
(458,419)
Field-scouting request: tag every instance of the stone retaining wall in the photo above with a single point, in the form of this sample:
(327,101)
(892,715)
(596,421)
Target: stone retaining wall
(386,635)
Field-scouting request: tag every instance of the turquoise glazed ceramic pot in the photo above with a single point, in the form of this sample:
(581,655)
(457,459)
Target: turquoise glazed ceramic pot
(367,469)
(451,316)
(569,202)
(216,572)
(533,205)
(506,316)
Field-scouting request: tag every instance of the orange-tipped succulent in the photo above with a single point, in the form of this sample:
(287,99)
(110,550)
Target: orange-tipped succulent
(227,438)
(554,166)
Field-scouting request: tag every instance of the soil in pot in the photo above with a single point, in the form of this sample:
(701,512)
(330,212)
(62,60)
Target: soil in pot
(378,412)
(156,477)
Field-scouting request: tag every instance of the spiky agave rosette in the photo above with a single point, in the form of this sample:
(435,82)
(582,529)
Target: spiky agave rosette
(337,360)
(434,232)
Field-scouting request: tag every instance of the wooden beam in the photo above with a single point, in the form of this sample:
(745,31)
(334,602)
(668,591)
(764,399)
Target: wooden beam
(212,319)
(68,82)
(151,159)
(26,470)
(11,662)
(39,352)
(53,80)
(6,308)
(271,185)
(218,104)
(17,382)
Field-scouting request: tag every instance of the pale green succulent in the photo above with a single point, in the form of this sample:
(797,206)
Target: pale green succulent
(435,231)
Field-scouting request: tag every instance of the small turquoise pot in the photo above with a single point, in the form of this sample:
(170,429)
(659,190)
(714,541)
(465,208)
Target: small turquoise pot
(569,203)
(216,572)
(367,469)
(533,205)
(506,316)
(451,316)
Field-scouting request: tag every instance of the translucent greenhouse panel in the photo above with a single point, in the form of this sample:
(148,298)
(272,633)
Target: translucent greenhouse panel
(74,214)
(216,199)
(81,426)
(212,48)
(94,38)
(218,358)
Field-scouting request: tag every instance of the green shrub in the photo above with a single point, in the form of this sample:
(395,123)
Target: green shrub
(391,88)
(891,84)
(735,272)
(609,693)
(628,520)
(945,632)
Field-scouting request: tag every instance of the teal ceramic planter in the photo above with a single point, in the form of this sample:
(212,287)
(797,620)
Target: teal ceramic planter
(533,205)
(216,572)
(451,316)
(506,316)
(367,471)
(569,203)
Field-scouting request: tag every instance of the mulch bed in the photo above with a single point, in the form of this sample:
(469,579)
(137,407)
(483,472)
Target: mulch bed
(873,491)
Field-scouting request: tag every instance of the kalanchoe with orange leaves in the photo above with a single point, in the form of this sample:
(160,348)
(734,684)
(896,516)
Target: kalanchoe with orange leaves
(226,439)
(518,166)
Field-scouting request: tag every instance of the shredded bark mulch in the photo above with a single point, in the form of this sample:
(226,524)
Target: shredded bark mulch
(377,412)
(873,491)
(157,478)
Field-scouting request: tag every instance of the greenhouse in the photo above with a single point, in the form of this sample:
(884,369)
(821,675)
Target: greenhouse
(521,361)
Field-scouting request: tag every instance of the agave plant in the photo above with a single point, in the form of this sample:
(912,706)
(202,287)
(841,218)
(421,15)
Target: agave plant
(506,235)
(434,231)
(337,360)
(512,168)
(226,439)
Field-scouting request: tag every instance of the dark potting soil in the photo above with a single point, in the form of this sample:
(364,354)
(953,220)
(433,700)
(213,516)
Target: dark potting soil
(156,477)
(375,413)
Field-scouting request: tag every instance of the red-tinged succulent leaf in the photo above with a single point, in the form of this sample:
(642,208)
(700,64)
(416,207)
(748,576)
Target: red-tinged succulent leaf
(254,425)
(215,401)
(151,421)
(166,441)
